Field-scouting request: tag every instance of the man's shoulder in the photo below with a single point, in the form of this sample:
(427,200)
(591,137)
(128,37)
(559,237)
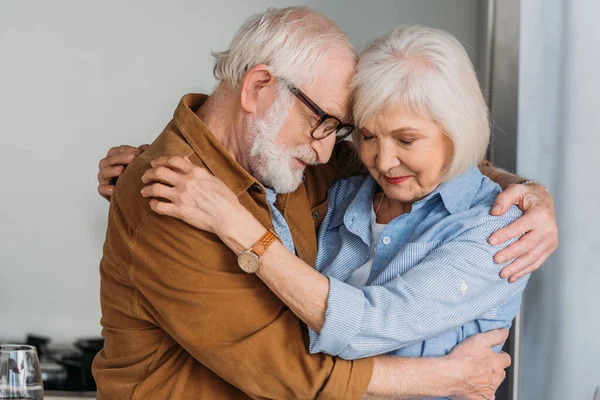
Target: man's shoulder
(128,198)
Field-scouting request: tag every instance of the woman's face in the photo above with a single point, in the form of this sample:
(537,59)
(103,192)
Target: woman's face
(407,155)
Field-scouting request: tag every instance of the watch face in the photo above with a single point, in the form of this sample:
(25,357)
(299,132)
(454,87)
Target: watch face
(248,262)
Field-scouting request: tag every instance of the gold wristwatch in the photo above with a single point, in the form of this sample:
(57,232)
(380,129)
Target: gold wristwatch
(250,260)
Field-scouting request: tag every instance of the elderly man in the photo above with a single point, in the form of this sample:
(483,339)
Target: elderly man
(180,318)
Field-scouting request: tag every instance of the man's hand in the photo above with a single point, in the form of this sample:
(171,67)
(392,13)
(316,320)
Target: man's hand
(476,368)
(113,165)
(537,227)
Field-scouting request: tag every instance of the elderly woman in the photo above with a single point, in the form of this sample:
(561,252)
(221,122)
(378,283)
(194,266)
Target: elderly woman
(404,266)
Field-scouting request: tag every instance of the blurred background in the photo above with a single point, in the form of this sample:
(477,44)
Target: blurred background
(78,77)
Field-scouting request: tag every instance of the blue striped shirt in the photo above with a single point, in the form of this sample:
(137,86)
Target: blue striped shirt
(433,282)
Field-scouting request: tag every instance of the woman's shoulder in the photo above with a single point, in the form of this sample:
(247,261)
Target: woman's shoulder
(346,189)
(343,193)
(484,200)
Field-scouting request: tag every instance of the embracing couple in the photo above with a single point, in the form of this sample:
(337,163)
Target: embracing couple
(251,252)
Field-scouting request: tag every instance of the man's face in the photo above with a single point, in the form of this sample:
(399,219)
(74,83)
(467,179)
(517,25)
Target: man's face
(283,146)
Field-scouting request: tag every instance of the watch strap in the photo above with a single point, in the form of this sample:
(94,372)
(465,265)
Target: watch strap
(264,242)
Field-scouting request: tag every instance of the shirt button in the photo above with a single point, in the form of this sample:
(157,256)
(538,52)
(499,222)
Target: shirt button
(315,214)
(387,240)
(463,287)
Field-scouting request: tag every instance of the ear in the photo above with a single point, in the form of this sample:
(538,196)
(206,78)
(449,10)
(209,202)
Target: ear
(257,86)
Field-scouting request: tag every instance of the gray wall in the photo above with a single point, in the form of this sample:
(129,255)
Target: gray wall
(77,77)
(559,138)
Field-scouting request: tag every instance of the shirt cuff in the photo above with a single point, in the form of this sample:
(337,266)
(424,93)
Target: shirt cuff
(343,318)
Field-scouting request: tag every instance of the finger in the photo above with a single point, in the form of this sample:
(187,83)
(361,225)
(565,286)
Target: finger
(498,378)
(117,159)
(142,148)
(162,174)
(493,338)
(532,268)
(182,164)
(163,208)
(129,149)
(179,163)
(160,162)
(107,173)
(112,151)
(503,360)
(159,190)
(106,191)
(122,149)
(516,228)
(528,244)
(505,199)
(523,262)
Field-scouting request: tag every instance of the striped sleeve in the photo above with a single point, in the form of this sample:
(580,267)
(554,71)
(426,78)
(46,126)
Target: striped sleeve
(456,283)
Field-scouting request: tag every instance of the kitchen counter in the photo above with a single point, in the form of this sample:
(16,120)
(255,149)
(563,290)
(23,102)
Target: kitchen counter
(54,395)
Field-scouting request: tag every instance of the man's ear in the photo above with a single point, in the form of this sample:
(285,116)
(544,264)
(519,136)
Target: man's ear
(257,87)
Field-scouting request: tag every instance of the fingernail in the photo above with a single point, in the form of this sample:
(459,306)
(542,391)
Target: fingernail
(494,241)
(501,259)
(497,208)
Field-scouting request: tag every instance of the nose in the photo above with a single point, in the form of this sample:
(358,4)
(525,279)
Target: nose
(386,157)
(323,148)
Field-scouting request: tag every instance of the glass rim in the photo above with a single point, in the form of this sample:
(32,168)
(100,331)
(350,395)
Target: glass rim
(11,348)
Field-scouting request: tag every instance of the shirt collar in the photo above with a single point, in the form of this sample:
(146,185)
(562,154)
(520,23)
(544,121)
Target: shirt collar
(458,193)
(357,217)
(212,153)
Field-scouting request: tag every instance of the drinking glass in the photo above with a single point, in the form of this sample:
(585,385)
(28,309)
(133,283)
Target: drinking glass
(20,375)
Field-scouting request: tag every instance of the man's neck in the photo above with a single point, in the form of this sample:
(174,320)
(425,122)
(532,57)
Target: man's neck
(218,114)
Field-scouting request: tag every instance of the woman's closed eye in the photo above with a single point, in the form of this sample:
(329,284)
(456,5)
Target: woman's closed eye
(366,138)
(406,142)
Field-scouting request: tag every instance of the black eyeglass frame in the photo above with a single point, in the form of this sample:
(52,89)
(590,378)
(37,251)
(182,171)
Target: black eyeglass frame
(323,116)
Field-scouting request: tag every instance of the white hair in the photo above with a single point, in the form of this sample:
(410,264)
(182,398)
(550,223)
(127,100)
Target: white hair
(426,71)
(291,41)
(269,162)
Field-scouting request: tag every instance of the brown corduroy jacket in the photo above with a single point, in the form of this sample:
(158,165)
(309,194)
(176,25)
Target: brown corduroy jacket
(180,319)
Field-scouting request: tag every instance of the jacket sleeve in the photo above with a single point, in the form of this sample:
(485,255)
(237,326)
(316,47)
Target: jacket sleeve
(189,284)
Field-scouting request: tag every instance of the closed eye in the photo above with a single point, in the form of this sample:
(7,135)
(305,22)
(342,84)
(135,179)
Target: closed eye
(366,138)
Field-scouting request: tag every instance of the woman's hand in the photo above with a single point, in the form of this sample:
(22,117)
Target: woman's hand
(185,191)
(113,165)
(537,225)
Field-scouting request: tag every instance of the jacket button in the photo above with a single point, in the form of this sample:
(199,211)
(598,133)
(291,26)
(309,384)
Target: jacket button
(315,214)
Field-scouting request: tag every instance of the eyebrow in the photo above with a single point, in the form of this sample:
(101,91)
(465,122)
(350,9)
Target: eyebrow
(404,129)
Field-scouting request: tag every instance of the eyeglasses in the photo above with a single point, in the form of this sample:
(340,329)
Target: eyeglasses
(327,124)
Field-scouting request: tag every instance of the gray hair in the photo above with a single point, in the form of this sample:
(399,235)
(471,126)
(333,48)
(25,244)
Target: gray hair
(426,71)
(291,41)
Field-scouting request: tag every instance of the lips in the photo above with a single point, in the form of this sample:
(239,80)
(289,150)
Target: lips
(300,162)
(396,180)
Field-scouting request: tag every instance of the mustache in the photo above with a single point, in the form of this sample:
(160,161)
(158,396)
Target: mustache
(305,154)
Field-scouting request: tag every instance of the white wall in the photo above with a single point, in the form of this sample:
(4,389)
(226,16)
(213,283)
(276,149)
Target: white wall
(559,142)
(77,77)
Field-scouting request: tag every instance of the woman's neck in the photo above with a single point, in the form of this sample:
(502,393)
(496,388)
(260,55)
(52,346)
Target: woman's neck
(387,210)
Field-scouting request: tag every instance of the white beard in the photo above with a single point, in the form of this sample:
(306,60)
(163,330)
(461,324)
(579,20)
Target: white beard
(269,162)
